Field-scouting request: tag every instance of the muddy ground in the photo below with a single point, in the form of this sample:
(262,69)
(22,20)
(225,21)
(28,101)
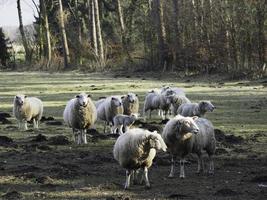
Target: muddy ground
(54,168)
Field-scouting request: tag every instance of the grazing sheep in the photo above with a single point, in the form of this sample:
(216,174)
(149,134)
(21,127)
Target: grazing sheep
(108,108)
(26,109)
(184,135)
(175,101)
(80,114)
(125,121)
(195,109)
(136,149)
(130,104)
(152,102)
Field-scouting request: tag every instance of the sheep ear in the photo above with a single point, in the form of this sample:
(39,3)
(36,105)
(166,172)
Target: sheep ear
(17,97)
(25,96)
(77,96)
(195,118)
(112,98)
(122,97)
(89,95)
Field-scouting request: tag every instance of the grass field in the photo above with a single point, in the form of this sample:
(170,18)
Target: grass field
(44,171)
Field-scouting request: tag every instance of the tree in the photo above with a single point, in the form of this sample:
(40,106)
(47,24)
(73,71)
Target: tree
(4,54)
(99,33)
(65,45)
(28,51)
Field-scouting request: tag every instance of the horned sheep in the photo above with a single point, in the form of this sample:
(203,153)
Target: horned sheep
(26,109)
(195,109)
(136,150)
(80,114)
(184,135)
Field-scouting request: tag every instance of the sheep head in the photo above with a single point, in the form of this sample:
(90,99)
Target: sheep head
(154,140)
(186,125)
(83,99)
(116,101)
(205,106)
(20,99)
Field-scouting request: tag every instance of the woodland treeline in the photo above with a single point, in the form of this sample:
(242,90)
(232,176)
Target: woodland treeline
(199,36)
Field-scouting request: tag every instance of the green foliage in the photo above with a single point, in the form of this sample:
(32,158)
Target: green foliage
(4,54)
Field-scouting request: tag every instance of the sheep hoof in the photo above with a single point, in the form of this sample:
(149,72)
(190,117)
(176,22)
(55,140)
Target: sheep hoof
(171,176)
(148,187)
(211,173)
(182,177)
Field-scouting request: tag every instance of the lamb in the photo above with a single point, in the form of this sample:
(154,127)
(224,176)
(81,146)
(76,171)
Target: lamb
(195,109)
(184,135)
(108,108)
(130,104)
(125,121)
(26,109)
(175,101)
(80,114)
(136,150)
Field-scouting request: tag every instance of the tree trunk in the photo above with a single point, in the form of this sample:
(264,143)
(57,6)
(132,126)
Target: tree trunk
(93,27)
(47,33)
(64,36)
(99,34)
(28,53)
(162,46)
(177,33)
(79,30)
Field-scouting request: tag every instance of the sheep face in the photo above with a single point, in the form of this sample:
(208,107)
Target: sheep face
(131,97)
(187,125)
(116,101)
(83,99)
(156,142)
(20,99)
(206,106)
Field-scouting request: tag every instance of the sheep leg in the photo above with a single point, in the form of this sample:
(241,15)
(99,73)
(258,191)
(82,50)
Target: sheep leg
(171,175)
(128,179)
(34,123)
(182,174)
(149,114)
(200,164)
(79,139)
(25,125)
(20,124)
(74,135)
(126,128)
(211,169)
(146,177)
(84,136)
(120,130)
(135,176)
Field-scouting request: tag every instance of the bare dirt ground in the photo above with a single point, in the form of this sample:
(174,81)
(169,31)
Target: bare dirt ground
(46,164)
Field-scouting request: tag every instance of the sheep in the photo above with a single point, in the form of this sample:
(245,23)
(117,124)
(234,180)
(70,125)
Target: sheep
(174,90)
(26,109)
(136,150)
(195,109)
(80,114)
(130,104)
(184,135)
(125,121)
(152,102)
(108,108)
(175,101)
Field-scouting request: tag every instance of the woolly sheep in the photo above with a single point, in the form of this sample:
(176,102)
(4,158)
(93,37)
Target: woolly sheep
(135,150)
(175,101)
(152,102)
(130,104)
(80,114)
(174,90)
(125,121)
(195,109)
(26,109)
(108,108)
(184,135)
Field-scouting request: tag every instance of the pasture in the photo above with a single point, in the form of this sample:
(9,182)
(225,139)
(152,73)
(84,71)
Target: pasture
(46,167)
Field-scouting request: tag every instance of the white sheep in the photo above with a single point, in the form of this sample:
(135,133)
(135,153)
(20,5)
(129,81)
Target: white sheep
(108,108)
(80,114)
(130,104)
(26,109)
(125,121)
(174,90)
(136,149)
(152,102)
(175,101)
(195,109)
(184,135)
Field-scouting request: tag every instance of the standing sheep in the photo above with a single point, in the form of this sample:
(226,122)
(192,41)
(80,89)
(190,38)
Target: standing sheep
(176,101)
(136,149)
(108,108)
(26,109)
(125,121)
(195,109)
(152,102)
(184,135)
(130,104)
(80,114)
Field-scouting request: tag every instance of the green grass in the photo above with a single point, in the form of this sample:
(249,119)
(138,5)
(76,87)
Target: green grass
(241,110)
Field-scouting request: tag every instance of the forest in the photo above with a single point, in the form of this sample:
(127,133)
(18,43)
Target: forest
(194,36)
